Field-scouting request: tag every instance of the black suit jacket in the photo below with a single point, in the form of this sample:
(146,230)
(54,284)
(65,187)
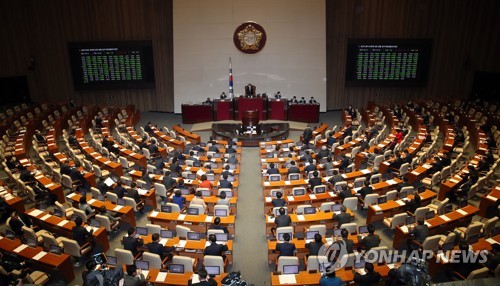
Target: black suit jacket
(314,247)
(342,218)
(368,279)
(210,282)
(420,232)
(80,234)
(315,182)
(278,202)
(307,135)
(285,249)
(134,194)
(293,170)
(283,220)
(370,241)
(131,243)
(225,184)
(214,226)
(215,249)
(155,247)
(119,191)
(365,191)
(345,194)
(349,243)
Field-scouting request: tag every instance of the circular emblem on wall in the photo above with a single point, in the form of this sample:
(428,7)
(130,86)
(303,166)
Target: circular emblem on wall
(249,37)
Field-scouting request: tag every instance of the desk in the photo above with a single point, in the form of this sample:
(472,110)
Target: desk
(299,222)
(212,201)
(192,248)
(277,109)
(489,200)
(306,278)
(59,265)
(223,109)
(196,113)
(308,199)
(172,142)
(303,112)
(89,177)
(50,185)
(126,212)
(63,227)
(192,137)
(12,200)
(243,104)
(177,279)
(104,162)
(438,225)
(198,223)
(390,208)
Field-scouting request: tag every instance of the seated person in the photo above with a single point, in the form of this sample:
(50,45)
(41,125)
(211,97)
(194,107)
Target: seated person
(222,199)
(335,178)
(84,206)
(81,234)
(214,248)
(286,248)
(371,277)
(114,221)
(349,243)
(278,201)
(198,199)
(224,183)
(132,241)
(419,232)
(272,170)
(329,279)
(315,245)
(345,192)
(134,276)
(205,183)
(204,281)
(155,247)
(293,169)
(315,180)
(366,189)
(217,225)
(342,217)
(371,240)
(17,221)
(179,199)
(283,219)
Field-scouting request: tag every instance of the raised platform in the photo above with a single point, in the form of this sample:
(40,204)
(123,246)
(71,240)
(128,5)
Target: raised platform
(273,131)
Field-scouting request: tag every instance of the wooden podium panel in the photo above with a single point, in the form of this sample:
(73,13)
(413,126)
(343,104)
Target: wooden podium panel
(277,109)
(243,104)
(223,109)
(303,112)
(196,113)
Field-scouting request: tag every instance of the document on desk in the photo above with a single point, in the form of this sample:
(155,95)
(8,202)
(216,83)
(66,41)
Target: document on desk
(365,171)
(391,182)
(142,192)
(49,185)
(287,183)
(267,184)
(163,241)
(491,198)
(181,244)
(36,212)
(39,255)
(491,241)
(117,208)
(62,223)
(376,208)
(269,199)
(181,217)
(301,217)
(209,218)
(462,212)
(287,279)
(291,198)
(91,201)
(400,202)
(45,217)
(71,195)
(161,277)
(270,219)
(312,197)
(153,214)
(20,248)
(445,218)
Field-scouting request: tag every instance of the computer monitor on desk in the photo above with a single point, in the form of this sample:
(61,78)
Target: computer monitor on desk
(176,268)
(430,214)
(58,212)
(336,207)
(141,230)
(142,264)
(212,270)
(290,269)
(311,234)
(111,260)
(222,237)
(310,210)
(299,192)
(165,233)
(55,249)
(193,236)
(220,212)
(192,211)
(363,229)
(166,209)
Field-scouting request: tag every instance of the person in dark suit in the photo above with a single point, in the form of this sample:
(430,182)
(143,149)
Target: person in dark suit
(80,234)
(169,182)
(345,193)
(278,201)
(283,219)
(371,240)
(420,232)
(366,189)
(149,128)
(65,169)
(224,183)
(133,193)
(134,276)
(17,221)
(323,152)
(315,180)
(293,169)
(204,281)
(214,248)
(349,243)
(155,247)
(119,190)
(27,176)
(413,204)
(331,140)
(307,135)
(230,150)
(315,245)
(311,167)
(153,148)
(398,161)
(347,131)
(232,159)
(217,225)
(336,177)
(371,277)
(272,170)
(102,187)
(344,163)
(131,242)
(342,217)
(286,248)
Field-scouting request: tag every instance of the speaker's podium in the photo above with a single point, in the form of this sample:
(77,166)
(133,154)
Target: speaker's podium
(223,109)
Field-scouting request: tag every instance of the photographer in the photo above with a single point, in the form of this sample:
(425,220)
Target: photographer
(92,276)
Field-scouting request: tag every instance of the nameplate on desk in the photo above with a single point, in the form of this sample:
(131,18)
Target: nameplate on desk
(301,218)
(209,218)
(288,183)
(312,196)
(491,241)
(181,244)
(161,277)
(491,198)
(181,217)
(132,154)
(462,212)
(91,201)
(107,162)
(445,218)
(415,173)
(391,182)
(117,208)
(267,184)
(62,223)
(269,199)
(291,198)
(38,177)
(45,217)
(287,279)
(39,255)
(20,248)
(455,180)
(98,157)
(36,212)
(427,224)
(70,196)
(377,208)
(153,214)
(332,194)
(365,171)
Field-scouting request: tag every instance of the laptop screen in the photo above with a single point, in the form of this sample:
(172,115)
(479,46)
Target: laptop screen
(95,223)
(382,200)
(338,187)
(359,263)
(220,212)
(290,269)
(310,210)
(320,189)
(403,194)
(206,193)
(448,208)
(311,234)
(294,177)
(111,260)
(430,214)
(230,179)
(375,180)
(280,236)
(212,270)
(336,207)
(363,229)
(222,236)
(192,211)
(299,192)
(463,203)
(337,232)
(421,189)
(164,233)
(141,230)
(358,184)
(216,155)
(101,198)
(193,236)
(58,212)
(166,209)
(176,268)
(210,177)
(144,265)
(121,202)
(55,249)
(410,220)
(184,191)
(274,178)
(31,242)
(191,176)
(9,233)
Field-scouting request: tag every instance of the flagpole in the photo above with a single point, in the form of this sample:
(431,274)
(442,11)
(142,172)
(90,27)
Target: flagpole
(231,92)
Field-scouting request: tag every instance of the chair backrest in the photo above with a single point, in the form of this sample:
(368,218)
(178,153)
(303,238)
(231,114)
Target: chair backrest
(186,261)
(321,228)
(212,260)
(473,229)
(489,225)
(71,247)
(378,159)
(104,221)
(351,203)
(160,190)
(431,243)
(375,178)
(391,195)
(29,233)
(286,260)
(95,192)
(350,259)
(314,262)
(80,213)
(200,208)
(370,199)
(221,207)
(436,178)
(174,207)
(153,259)
(112,197)
(48,239)
(403,170)
(67,182)
(182,231)
(124,256)
(350,227)
(420,212)
(153,228)
(283,230)
(398,219)
(214,231)
(327,206)
(478,273)
(300,208)
(130,202)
